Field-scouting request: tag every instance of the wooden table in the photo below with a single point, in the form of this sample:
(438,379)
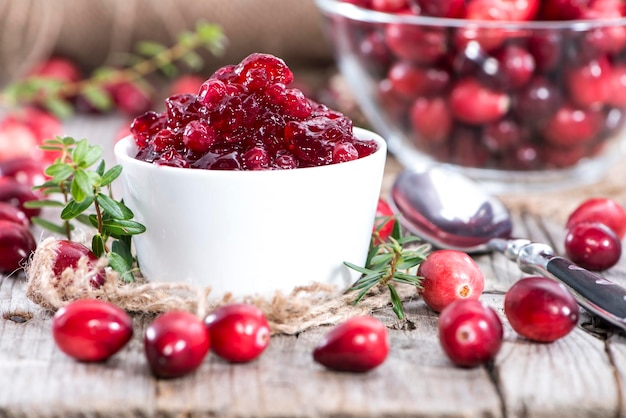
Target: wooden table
(581,375)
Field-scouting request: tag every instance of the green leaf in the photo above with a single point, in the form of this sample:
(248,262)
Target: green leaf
(81,186)
(150,49)
(84,219)
(396,233)
(122,247)
(38,204)
(123,227)
(59,107)
(193,60)
(50,226)
(119,264)
(98,97)
(97,245)
(80,150)
(93,154)
(75,208)
(357,268)
(113,208)
(112,174)
(396,303)
(100,170)
(59,172)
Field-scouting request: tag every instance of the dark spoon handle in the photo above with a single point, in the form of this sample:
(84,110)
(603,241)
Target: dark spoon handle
(595,293)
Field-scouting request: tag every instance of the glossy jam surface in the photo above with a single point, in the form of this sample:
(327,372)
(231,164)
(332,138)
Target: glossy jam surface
(246,117)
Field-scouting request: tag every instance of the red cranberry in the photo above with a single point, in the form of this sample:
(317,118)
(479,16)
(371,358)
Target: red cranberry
(10,213)
(410,81)
(91,330)
(16,245)
(515,66)
(238,332)
(131,98)
(588,84)
(540,309)
(470,332)
(442,8)
(389,6)
(68,253)
(57,68)
(571,126)
(25,170)
(473,103)
(188,83)
(603,210)
(515,10)
(431,119)
(359,344)
(417,44)
(537,101)
(17,194)
(176,344)
(593,245)
(449,275)
(21,133)
(502,135)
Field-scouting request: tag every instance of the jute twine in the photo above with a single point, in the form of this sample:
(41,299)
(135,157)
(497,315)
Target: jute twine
(305,307)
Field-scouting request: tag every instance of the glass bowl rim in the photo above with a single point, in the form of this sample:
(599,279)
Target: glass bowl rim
(354,12)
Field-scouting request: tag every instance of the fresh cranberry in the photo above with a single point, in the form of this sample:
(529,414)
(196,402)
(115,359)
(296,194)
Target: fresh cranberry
(470,332)
(10,213)
(507,10)
(600,209)
(546,48)
(176,344)
(473,103)
(17,194)
(617,89)
(16,245)
(449,275)
(442,8)
(238,332)
(385,221)
(57,68)
(563,9)
(572,126)
(417,44)
(588,84)
(130,98)
(540,309)
(68,253)
(91,330)
(431,119)
(503,135)
(389,6)
(593,245)
(25,170)
(359,344)
(515,66)
(24,130)
(410,81)
(538,101)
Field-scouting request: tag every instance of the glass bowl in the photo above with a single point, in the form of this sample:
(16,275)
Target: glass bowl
(517,106)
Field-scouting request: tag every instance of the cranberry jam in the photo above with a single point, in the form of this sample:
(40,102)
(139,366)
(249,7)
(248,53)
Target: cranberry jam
(246,117)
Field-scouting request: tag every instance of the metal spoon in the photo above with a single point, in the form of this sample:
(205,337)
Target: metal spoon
(451,211)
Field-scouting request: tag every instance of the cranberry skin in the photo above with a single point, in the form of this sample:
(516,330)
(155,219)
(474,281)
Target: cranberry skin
(25,170)
(176,343)
(357,345)
(16,245)
(603,210)
(470,332)
(431,119)
(416,44)
(385,221)
(449,275)
(57,68)
(91,330)
(442,8)
(540,309)
(188,83)
(589,84)
(68,253)
(16,194)
(10,213)
(593,246)
(239,332)
(571,126)
(130,98)
(475,104)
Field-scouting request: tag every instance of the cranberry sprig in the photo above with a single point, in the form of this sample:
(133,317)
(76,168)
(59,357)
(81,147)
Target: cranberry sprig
(56,95)
(394,260)
(87,198)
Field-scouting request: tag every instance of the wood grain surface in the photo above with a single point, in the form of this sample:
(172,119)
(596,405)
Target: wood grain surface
(581,375)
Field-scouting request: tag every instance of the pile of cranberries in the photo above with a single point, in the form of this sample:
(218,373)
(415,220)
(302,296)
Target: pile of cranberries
(246,117)
(491,95)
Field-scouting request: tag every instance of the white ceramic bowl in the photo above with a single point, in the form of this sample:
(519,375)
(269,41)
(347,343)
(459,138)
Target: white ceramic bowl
(253,232)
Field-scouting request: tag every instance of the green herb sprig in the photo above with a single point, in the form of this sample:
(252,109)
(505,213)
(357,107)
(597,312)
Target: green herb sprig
(149,57)
(388,262)
(86,197)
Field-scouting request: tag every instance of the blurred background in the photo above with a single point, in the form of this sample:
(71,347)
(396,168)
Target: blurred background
(97,32)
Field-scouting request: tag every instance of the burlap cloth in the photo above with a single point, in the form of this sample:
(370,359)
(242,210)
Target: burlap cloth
(93,32)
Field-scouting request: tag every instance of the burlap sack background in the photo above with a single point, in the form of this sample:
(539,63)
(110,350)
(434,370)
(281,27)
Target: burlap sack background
(94,31)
